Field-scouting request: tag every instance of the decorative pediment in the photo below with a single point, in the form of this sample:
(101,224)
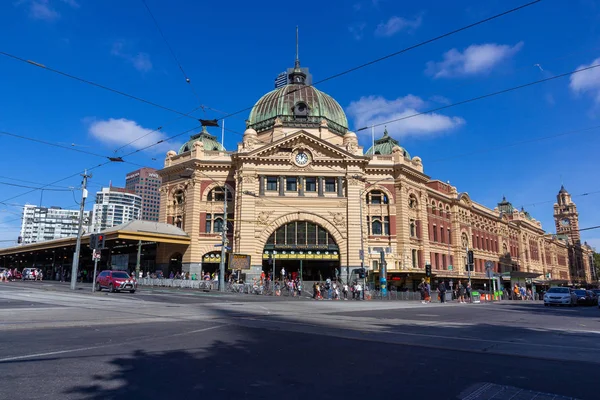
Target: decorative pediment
(286,148)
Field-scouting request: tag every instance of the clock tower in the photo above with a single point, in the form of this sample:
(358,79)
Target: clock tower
(566,216)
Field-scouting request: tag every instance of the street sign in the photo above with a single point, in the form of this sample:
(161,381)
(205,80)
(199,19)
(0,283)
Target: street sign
(361,254)
(96,255)
(489,265)
(218,245)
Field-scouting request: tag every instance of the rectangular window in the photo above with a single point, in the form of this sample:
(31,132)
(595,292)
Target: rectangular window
(310,184)
(414,258)
(449,237)
(311,234)
(280,236)
(272,183)
(208,226)
(330,185)
(435,238)
(413,230)
(386,225)
(444,265)
(442,234)
(291,184)
(322,236)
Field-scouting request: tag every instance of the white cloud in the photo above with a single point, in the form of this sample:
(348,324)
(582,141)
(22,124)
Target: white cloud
(41,9)
(140,61)
(587,81)
(119,132)
(357,30)
(373,110)
(396,24)
(475,59)
(72,3)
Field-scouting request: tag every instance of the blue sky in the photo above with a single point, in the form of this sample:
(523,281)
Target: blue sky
(232,52)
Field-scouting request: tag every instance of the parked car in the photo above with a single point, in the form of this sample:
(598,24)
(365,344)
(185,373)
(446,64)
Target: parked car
(560,296)
(585,297)
(115,281)
(597,293)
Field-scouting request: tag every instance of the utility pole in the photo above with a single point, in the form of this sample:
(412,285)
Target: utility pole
(223,243)
(138,261)
(84,194)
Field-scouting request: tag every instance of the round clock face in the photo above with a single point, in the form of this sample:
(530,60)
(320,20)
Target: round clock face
(564,222)
(301,158)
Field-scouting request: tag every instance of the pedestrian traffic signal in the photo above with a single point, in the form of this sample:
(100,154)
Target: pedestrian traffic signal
(361,273)
(428,270)
(470,259)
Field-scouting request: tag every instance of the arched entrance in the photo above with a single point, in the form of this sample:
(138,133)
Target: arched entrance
(302,248)
(211,262)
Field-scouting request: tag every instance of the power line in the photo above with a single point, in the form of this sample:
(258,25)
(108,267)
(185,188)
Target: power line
(404,50)
(52,144)
(489,149)
(37,188)
(36,183)
(187,79)
(481,97)
(98,85)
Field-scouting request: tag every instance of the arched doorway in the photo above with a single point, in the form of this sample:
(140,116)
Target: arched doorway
(211,262)
(304,249)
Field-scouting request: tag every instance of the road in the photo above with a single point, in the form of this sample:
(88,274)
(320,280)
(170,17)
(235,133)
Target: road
(157,344)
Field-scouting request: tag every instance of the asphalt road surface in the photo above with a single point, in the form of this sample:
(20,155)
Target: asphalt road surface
(170,344)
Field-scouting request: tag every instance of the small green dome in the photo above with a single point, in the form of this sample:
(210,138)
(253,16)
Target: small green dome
(298,105)
(385,145)
(210,142)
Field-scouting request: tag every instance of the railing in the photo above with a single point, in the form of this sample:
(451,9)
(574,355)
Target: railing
(178,283)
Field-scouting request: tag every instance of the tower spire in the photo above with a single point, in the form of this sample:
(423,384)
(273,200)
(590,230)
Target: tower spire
(297,63)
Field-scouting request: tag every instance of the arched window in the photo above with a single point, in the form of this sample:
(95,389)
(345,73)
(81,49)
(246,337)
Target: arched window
(465,240)
(433,207)
(301,233)
(377,197)
(378,225)
(218,194)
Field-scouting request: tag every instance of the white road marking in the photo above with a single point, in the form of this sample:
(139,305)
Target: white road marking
(53,353)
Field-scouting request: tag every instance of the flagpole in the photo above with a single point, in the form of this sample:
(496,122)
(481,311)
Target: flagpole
(223,134)
(373,138)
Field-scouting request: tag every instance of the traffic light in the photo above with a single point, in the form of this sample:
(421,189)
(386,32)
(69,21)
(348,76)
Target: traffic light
(428,270)
(361,273)
(93,241)
(470,258)
(100,242)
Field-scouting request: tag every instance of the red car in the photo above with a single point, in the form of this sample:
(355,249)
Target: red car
(115,281)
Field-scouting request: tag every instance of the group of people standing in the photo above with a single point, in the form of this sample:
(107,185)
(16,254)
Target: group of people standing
(461,292)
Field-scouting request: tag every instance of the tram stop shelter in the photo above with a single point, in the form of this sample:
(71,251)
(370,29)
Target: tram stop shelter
(159,246)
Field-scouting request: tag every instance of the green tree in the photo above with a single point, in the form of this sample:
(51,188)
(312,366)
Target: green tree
(597,263)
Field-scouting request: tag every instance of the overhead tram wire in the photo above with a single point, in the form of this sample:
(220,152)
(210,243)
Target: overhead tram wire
(485,96)
(187,79)
(404,50)
(39,65)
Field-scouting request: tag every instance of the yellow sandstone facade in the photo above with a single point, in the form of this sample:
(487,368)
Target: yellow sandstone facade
(300,189)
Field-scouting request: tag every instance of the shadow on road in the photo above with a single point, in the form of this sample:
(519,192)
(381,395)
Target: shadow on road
(244,362)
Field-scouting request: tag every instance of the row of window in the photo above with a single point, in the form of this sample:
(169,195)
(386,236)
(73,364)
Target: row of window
(441,261)
(484,243)
(292,184)
(442,234)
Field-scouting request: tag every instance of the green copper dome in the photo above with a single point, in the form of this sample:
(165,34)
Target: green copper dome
(298,105)
(385,145)
(210,142)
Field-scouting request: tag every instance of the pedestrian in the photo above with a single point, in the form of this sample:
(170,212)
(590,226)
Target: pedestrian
(345,291)
(461,292)
(442,291)
(422,288)
(358,290)
(468,292)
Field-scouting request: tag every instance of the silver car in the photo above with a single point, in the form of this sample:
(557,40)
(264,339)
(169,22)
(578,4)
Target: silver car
(560,296)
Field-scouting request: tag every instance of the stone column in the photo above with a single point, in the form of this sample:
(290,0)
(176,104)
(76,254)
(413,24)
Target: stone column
(300,186)
(340,186)
(261,185)
(320,184)
(282,185)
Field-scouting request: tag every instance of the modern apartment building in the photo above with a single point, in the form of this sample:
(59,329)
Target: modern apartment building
(115,206)
(47,223)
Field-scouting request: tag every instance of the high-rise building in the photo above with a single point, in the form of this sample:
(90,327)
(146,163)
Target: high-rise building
(145,182)
(281,80)
(48,223)
(115,206)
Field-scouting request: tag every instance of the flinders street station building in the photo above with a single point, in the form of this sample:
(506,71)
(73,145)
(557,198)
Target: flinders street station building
(300,190)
